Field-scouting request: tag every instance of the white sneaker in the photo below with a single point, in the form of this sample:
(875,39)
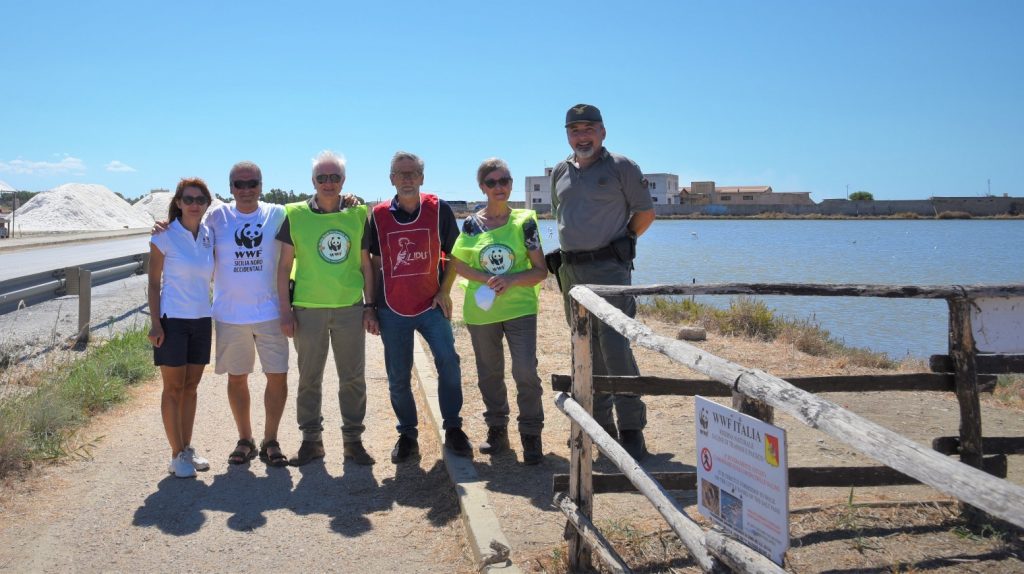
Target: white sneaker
(181,467)
(196,459)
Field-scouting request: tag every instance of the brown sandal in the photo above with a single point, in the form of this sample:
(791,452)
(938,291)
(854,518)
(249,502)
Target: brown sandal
(276,459)
(238,456)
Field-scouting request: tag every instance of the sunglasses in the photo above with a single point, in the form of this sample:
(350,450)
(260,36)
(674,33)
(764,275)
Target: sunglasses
(331,177)
(196,199)
(400,175)
(502,181)
(246,183)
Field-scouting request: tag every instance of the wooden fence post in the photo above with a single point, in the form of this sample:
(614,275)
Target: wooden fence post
(753,407)
(581,488)
(962,353)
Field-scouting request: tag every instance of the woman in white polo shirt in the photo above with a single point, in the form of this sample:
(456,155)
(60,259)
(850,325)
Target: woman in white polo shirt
(180,271)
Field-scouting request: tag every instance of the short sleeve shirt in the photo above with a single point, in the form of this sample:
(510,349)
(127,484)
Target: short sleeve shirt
(188,270)
(531,236)
(285,234)
(245,281)
(593,205)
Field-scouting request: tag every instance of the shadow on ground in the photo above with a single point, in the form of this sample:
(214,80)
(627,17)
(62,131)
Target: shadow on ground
(247,493)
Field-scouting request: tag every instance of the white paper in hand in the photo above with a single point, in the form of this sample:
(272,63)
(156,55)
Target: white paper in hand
(484,297)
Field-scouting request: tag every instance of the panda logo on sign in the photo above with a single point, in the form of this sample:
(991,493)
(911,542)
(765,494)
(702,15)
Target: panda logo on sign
(333,246)
(497,259)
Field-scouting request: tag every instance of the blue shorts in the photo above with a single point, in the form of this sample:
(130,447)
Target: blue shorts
(186,342)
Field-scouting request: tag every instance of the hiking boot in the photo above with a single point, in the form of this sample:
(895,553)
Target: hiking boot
(533,451)
(456,441)
(633,442)
(406,449)
(309,450)
(198,462)
(497,441)
(181,466)
(355,452)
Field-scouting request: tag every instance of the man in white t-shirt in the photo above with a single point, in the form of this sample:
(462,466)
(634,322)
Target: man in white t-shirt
(245,309)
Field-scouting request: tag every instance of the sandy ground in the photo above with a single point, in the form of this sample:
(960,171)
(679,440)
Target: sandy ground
(522,495)
(120,511)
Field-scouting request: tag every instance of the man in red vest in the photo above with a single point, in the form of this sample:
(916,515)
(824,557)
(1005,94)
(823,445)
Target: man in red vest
(410,237)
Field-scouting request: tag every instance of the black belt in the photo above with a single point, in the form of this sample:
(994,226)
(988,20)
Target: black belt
(602,254)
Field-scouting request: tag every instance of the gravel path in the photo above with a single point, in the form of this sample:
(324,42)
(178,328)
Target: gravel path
(121,511)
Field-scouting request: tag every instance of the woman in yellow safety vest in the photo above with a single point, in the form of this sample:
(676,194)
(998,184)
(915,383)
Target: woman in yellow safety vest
(500,257)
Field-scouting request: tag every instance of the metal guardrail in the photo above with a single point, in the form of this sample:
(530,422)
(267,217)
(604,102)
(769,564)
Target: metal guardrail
(38,287)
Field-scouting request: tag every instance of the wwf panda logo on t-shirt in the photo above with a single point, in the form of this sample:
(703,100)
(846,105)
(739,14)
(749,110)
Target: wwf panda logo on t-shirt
(249,236)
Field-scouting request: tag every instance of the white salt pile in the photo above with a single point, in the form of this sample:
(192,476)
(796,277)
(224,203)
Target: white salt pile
(78,207)
(5,187)
(156,203)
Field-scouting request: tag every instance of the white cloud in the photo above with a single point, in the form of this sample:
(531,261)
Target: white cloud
(66,164)
(119,166)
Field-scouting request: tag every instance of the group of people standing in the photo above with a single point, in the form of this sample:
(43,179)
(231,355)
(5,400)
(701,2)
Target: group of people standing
(327,271)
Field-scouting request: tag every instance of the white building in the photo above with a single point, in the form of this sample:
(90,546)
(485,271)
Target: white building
(538,190)
(663,187)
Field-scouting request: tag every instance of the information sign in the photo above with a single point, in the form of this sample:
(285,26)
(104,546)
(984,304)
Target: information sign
(742,478)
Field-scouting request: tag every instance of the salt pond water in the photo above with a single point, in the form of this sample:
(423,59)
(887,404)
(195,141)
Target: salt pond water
(913,252)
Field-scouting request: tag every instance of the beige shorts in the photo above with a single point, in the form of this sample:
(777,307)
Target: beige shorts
(237,346)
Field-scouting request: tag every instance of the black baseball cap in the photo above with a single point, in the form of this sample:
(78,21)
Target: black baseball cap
(582,113)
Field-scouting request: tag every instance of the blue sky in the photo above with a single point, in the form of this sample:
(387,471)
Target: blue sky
(904,99)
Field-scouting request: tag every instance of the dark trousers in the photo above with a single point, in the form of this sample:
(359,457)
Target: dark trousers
(611,351)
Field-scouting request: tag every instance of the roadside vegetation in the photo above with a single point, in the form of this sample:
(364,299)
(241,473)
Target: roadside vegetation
(1009,391)
(749,317)
(43,424)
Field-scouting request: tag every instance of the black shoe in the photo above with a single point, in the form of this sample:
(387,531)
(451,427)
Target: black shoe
(533,451)
(406,449)
(633,442)
(308,450)
(497,441)
(456,441)
(355,452)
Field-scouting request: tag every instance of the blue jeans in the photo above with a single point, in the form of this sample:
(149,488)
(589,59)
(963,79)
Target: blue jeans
(397,334)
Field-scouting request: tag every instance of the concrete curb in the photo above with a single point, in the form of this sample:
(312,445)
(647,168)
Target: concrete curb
(485,535)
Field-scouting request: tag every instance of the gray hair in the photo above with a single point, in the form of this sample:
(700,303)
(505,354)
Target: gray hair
(400,155)
(488,165)
(328,156)
(243,165)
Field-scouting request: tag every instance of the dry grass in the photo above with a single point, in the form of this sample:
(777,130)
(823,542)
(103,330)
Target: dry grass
(1010,391)
(749,317)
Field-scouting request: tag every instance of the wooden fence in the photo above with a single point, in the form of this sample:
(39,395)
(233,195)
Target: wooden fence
(757,393)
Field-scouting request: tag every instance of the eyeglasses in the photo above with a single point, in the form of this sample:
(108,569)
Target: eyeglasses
(331,177)
(502,181)
(246,183)
(406,174)
(196,199)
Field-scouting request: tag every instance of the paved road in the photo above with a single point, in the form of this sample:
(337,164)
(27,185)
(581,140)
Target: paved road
(31,260)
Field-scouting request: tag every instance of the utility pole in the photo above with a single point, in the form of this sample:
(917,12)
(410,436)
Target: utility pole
(847,191)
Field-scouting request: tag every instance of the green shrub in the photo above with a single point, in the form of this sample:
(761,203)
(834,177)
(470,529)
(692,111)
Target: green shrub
(43,424)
